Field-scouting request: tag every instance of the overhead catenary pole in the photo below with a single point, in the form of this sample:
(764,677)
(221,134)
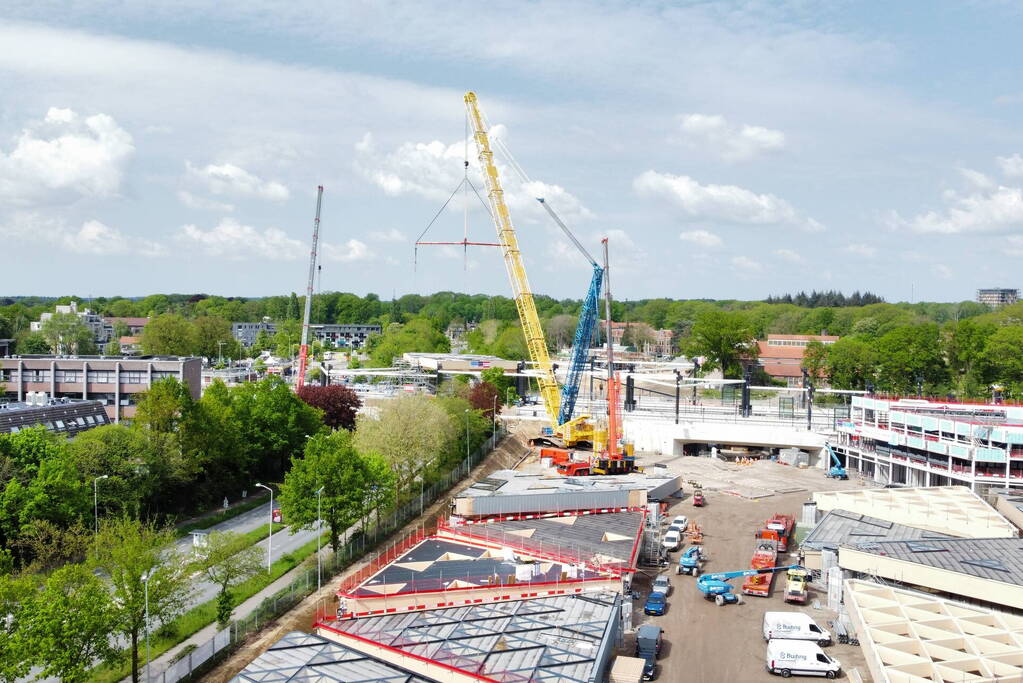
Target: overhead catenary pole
(303,353)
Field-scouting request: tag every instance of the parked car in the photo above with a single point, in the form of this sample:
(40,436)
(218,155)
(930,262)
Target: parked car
(672,540)
(648,646)
(662,584)
(681,521)
(655,604)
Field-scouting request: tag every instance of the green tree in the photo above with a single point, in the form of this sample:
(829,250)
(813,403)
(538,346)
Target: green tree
(963,343)
(66,333)
(163,406)
(561,331)
(1003,358)
(227,559)
(909,354)
(850,364)
(112,348)
(31,343)
(274,423)
(213,338)
(410,432)
(128,551)
(331,461)
(213,445)
(69,624)
(725,339)
(169,335)
(16,592)
(398,339)
(815,358)
(497,377)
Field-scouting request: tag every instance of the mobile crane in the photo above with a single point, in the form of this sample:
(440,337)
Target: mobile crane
(716,587)
(837,471)
(303,349)
(564,429)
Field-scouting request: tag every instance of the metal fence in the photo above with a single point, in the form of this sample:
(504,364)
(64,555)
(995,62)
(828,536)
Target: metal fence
(357,541)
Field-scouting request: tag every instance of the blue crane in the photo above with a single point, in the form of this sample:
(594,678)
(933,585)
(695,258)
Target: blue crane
(584,330)
(716,587)
(837,471)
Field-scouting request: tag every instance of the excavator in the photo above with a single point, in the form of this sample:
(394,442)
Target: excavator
(565,430)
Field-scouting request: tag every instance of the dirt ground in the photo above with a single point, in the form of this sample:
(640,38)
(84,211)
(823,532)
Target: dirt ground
(301,618)
(704,642)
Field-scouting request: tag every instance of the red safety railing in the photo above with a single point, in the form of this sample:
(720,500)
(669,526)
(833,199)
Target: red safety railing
(383,558)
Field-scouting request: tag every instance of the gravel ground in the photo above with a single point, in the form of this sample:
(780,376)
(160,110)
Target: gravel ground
(704,642)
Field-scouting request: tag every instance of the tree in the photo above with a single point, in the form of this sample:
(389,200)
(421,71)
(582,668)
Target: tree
(126,551)
(815,357)
(724,338)
(169,335)
(1003,358)
(908,355)
(636,335)
(332,462)
(417,335)
(32,343)
(163,406)
(561,331)
(69,624)
(15,652)
(227,559)
(274,423)
(483,397)
(339,404)
(409,433)
(112,348)
(850,363)
(67,334)
(213,445)
(213,338)
(497,377)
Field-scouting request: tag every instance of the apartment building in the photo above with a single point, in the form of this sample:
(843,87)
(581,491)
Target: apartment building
(103,328)
(113,381)
(933,443)
(337,336)
(997,296)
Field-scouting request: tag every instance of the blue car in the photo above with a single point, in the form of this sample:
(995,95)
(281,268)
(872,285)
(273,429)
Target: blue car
(656,603)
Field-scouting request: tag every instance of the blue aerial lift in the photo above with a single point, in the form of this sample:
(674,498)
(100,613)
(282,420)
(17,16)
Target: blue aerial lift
(837,471)
(716,587)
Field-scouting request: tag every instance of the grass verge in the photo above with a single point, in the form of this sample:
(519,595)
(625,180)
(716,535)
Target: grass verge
(201,616)
(209,520)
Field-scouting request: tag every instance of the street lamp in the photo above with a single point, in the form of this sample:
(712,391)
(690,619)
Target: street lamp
(319,533)
(95,498)
(493,430)
(270,533)
(145,580)
(466,433)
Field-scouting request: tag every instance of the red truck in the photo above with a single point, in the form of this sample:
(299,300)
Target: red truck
(778,529)
(765,556)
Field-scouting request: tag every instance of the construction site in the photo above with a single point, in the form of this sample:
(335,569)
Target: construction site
(604,541)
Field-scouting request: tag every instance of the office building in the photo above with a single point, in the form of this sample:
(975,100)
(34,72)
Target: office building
(246,333)
(997,296)
(113,381)
(336,336)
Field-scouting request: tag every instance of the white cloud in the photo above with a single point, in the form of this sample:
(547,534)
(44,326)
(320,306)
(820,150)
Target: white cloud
(196,202)
(996,210)
(1011,166)
(746,265)
(864,250)
(392,235)
(941,271)
(977,179)
(237,242)
(788,255)
(351,251)
(730,142)
(93,237)
(235,181)
(701,238)
(65,157)
(434,169)
(726,203)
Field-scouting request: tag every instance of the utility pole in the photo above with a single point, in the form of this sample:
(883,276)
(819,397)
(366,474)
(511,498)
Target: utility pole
(678,389)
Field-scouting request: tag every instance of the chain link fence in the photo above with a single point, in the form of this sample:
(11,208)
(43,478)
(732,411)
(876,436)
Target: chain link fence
(196,661)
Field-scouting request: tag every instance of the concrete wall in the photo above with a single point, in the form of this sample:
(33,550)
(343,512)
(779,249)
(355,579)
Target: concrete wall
(933,578)
(1009,511)
(663,436)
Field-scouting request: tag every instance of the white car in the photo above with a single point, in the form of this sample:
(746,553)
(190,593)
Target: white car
(680,521)
(672,540)
(799,657)
(662,584)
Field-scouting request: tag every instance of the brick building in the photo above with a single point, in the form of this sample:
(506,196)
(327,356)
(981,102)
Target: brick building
(781,355)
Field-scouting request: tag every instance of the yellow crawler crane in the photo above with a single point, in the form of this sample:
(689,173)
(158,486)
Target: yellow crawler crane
(579,430)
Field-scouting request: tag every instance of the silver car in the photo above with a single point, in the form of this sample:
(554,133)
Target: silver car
(662,584)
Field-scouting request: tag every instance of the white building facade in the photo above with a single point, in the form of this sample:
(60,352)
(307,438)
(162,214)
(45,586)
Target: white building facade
(929,443)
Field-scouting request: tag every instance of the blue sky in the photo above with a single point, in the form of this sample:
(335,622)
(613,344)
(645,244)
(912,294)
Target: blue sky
(728,149)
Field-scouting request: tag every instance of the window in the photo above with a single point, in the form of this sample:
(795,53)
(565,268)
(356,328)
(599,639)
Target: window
(822,659)
(36,375)
(101,376)
(134,377)
(69,375)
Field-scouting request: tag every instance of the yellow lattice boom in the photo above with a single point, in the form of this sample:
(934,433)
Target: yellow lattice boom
(535,341)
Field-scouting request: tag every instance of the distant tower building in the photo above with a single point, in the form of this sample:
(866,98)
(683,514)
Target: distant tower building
(997,297)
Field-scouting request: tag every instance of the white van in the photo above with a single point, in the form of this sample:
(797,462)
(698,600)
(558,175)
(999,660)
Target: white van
(787,657)
(794,626)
